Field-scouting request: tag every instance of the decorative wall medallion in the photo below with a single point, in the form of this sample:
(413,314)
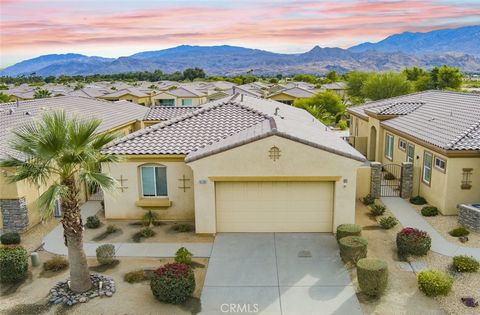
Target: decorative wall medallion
(274,153)
(122,187)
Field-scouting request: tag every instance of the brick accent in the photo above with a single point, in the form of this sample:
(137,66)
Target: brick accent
(376,179)
(407,180)
(15,214)
(469,217)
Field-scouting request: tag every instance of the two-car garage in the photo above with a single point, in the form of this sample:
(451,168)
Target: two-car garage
(274,206)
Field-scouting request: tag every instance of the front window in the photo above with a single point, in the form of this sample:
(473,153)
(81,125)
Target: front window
(167,102)
(440,164)
(154,181)
(389,146)
(402,145)
(427,168)
(186,102)
(410,152)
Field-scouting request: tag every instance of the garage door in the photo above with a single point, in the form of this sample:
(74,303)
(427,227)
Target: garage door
(274,206)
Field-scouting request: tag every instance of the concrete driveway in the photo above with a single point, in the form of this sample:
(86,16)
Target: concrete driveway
(277,273)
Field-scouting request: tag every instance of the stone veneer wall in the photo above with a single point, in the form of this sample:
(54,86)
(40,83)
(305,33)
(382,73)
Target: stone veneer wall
(376,179)
(407,180)
(15,214)
(469,217)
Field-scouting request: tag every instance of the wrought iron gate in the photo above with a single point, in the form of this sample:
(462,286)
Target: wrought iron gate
(391,182)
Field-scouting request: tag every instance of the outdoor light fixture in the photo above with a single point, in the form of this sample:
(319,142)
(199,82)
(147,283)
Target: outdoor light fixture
(345,181)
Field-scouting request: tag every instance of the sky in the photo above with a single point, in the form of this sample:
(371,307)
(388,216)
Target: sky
(108,28)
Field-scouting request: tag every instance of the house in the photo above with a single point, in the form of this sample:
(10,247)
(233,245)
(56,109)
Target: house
(288,96)
(18,205)
(437,131)
(339,88)
(134,95)
(158,114)
(240,164)
(181,96)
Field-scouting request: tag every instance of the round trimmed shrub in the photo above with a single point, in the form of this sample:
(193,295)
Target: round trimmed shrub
(429,211)
(460,231)
(352,248)
(173,283)
(93,222)
(10,238)
(418,200)
(105,254)
(412,241)
(434,282)
(183,256)
(372,276)
(13,264)
(344,230)
(465,263)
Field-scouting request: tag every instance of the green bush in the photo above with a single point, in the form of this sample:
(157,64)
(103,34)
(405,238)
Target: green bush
(93,222)
(352,248)
(105,254)
(460,231)
(377,210)
(183,256)
(10,238)
(182,228)
(465,264)
(135,276)
(173,283)
(368,200)
(411,241)
(13,264)
(388,222)
(434,282)
(372,276)
(418,200)
(344,230)
(429,211)
(147,232)
(342,124)
(112,228)
(56,263)
(149,218)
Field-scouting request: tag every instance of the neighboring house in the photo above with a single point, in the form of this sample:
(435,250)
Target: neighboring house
(438,131)
(248,90)
(339,88)
(158,114)
(180,96)
(18,205)
(240,164)
(134,95)
(288,96)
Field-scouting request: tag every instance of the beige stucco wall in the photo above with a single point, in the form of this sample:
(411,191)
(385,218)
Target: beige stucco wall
(454,193)
(363,181)
(121,205)
(360,132)
(297,160)
(196,101)
(282,97)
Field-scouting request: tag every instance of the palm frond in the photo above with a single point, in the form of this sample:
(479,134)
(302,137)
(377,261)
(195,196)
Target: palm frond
(47,200)
(96,178)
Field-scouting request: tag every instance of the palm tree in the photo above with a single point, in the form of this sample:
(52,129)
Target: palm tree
(63,153)
(42,93)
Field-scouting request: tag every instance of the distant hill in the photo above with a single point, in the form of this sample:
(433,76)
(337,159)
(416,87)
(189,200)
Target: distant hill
(456,47)
(465,40)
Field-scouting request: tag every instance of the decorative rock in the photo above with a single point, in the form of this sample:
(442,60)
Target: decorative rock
(108,293)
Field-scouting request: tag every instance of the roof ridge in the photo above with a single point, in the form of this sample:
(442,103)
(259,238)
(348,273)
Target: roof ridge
(463,134)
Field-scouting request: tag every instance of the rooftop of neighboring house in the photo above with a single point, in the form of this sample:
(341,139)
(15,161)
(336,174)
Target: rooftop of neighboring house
(127,91)
(161,113)
(232,121)
(448,120)
(296,92)
(113,114)
(303,85)
(183,91)
(334,86)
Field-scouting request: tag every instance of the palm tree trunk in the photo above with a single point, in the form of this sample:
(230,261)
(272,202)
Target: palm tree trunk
(73,234)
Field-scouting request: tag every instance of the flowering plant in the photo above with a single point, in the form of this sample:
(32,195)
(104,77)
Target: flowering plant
(412,241)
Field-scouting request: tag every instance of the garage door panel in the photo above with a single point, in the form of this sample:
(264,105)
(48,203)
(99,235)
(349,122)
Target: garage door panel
(274,206)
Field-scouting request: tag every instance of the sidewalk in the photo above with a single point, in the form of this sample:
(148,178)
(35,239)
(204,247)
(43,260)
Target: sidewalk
(408,217)
(53,242)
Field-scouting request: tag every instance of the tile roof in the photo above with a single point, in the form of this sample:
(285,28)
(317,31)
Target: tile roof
(132,91)
(295,92)
(167,112)
(112,114)
(334,86)
(185,92)
(448,120)
(229,122)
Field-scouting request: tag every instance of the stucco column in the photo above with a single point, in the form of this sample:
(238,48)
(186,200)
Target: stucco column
(407,180)
(376,179)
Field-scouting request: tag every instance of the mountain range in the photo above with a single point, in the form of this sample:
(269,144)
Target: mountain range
(459,47)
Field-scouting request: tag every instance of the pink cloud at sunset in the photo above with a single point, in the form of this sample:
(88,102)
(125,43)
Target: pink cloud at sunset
(115,28)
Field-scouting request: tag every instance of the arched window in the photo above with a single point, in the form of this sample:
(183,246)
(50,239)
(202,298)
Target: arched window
(153,180)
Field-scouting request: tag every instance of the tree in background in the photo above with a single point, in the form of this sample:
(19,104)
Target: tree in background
(305,78)
(384,85)
(447,77)
(42,93)
(332,76)
(4,98)
(414,73)
(193,73)
(325,106)
(355,82)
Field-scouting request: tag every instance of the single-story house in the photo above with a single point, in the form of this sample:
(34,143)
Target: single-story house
(240,164)
(181,96)
(438,131)
(339,88)
(158,114)
(288,96)
(134,95)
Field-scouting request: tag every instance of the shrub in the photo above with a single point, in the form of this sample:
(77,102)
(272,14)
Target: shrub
(388,222)
(344,230)
(372,276)
(342,124)
(112,228)
(377,210)
(368,200)
(434,282)
(93,222)
(429,211)
(411,241)
(13,264)
(147,232)
(182,228)
(10,238)
(389,176)
(173,283)
(460,231)
(149,218)
(135,276)
(56,263)
(418,200)
(106,254)
(353,248)
(183,256)
(465,264)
